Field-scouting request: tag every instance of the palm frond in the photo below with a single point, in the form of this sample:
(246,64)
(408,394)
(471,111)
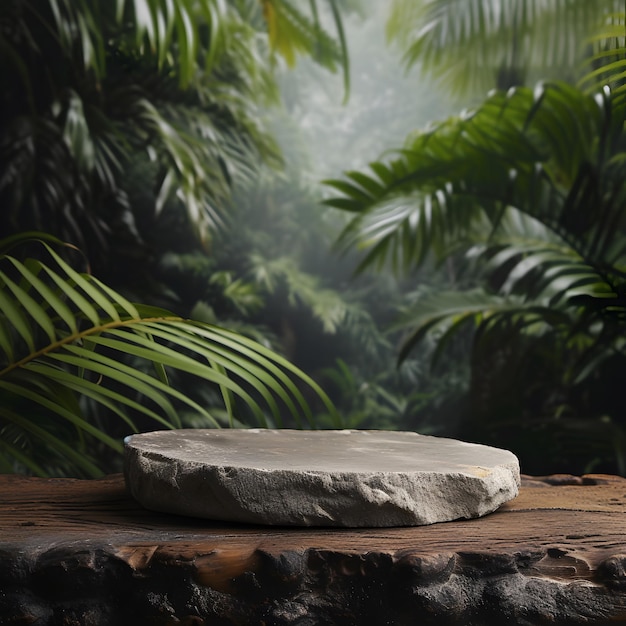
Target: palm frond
(607,62)
(476,45)
(523,257)
(65,334)
(444,315)
(291,33)
(535,150)
(166,30)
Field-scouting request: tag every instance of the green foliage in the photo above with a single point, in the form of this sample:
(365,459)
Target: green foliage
(608,57)
(302,289)
(550,152)
(64,334)
(90,89)
(292,32)
(530,187)
(363,403)
(116,115)
(471,46)
(267,272)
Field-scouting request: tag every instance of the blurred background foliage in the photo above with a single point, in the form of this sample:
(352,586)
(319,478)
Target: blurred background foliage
(471,283)
(125,126)
(523,195)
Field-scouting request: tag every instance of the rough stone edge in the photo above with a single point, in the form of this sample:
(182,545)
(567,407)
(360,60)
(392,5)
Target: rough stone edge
(151,485)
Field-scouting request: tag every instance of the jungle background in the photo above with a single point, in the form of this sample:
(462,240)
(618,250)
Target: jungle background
(420,205)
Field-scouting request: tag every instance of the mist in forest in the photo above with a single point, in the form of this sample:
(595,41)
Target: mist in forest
(386,101)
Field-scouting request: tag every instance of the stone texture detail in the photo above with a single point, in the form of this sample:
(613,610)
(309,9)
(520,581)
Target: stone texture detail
(318,478)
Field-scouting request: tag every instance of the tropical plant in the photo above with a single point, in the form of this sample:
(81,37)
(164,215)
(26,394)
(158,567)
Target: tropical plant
(266,276)
(90,90)
(531,187)
(66,335)
(472,46)
(607,62)
(98,99)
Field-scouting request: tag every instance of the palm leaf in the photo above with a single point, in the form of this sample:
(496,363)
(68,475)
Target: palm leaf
(445,315)
(87,357)
(291,33)
(153,24)
(535,150)
(608,61)
(475,45)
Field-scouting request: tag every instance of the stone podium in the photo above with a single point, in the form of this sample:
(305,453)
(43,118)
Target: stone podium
(346,478)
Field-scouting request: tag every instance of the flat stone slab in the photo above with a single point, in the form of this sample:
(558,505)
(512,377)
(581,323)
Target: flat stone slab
(351,478)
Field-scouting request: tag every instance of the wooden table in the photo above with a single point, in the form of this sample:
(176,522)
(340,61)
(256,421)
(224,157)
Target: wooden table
(83,552)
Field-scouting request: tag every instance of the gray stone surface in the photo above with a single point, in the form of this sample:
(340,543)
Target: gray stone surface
(346,478)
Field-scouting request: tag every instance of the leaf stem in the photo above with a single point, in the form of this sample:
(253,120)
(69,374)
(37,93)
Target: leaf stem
(86,333)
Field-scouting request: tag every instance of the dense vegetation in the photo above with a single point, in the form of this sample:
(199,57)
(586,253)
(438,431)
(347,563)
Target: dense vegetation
(172,147)
(116,116)
(525,196)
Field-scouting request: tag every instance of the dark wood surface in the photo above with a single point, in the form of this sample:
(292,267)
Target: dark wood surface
(83,552)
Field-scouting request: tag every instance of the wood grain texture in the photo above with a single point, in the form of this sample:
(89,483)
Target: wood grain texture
(83,552)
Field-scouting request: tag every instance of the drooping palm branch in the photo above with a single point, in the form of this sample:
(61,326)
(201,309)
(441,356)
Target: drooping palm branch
(65,335)
(530,187)
(472,46)
(292,32)
(608,58)
(554,155)
(551,152)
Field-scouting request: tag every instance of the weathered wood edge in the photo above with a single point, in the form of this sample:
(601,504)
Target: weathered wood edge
(83,552)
